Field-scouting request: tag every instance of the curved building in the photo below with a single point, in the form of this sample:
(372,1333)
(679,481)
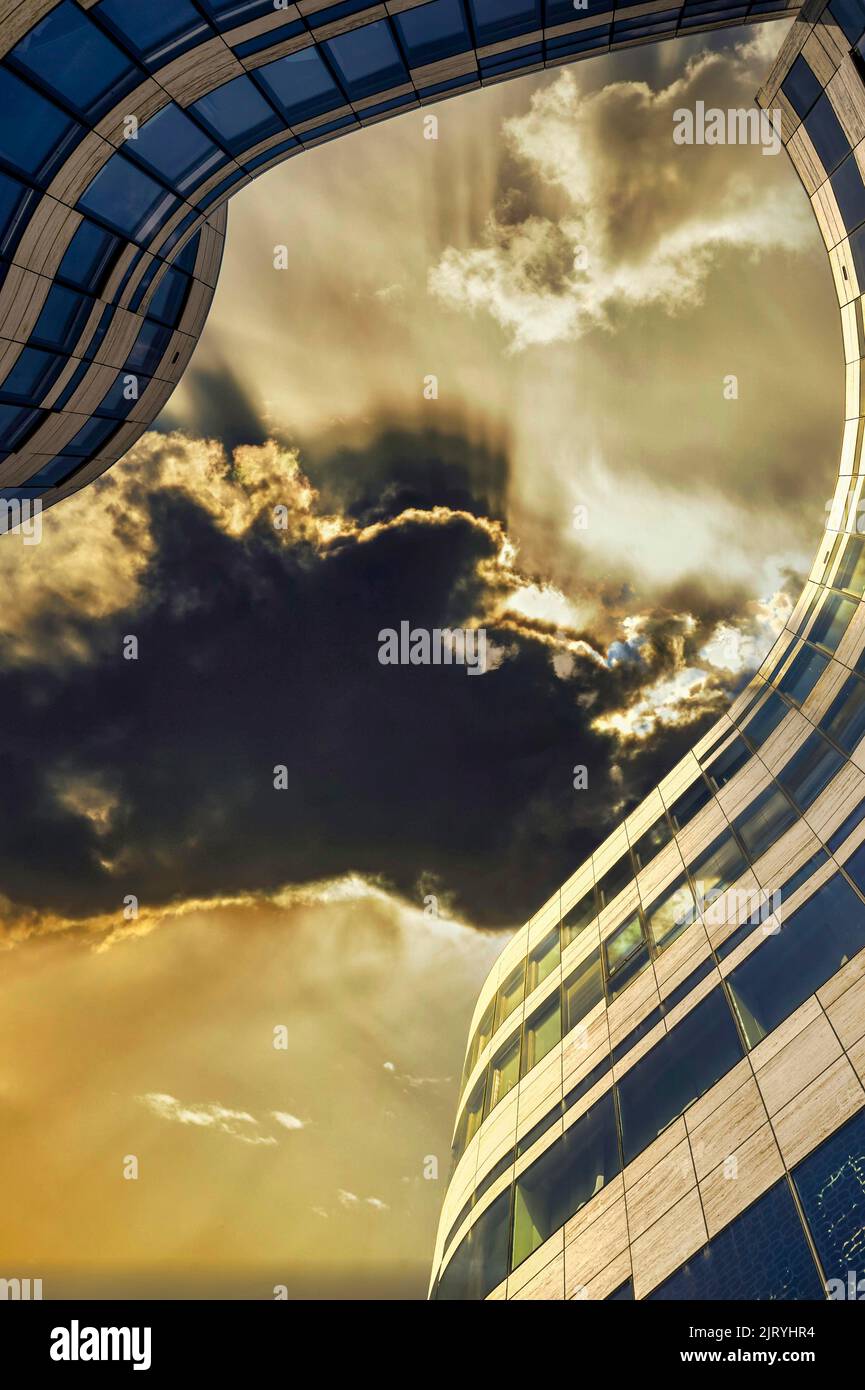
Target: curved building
(125,127)
(663,1089)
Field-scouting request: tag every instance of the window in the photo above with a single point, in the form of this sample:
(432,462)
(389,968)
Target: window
(157,31)
(72,57)
(480,1262)
(788,967)
(767,718)
(831,1188)
(173,147)
(123,395)
(849,192)
(679,1069)
(802,674)
(301,85)
(62,318)
(366,60)
(810,770)
(15,199)
(504,1073)
(623,1294)
(580,916)
(564,1178)
(826,134)
(669,915)
(511,993)
(91,438)
(237,115)
(56,472)
(16,426)
(543,959)
(844,721)
(685,807)
(31,376)
(761,1255)
(728,763)
(169,299)
(88,257)
(148,348)
(831,621)
(495,20)
(717,868)
(34,135)
(543,1030)
(801,87)
(483,1033)
(433,32)
(615,880)
(851,571)
(765,821)
(625,955)
(848,14)
(474,1113)
(651,842)
(583,989)
(127,199)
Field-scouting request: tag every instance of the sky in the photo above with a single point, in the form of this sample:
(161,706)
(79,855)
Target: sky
(487,390)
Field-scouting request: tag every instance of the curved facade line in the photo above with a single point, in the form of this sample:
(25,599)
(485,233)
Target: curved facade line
(663,1089)
(124,130)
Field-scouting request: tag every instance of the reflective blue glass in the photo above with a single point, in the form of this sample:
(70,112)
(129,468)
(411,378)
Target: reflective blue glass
(91,438)
(801,87)
(233,12)
(58,470)
(175,148)
(433,32)
(787,967)
(34,371)
(33,132)
(766,720)
(810,770)
(122,396)
(495,20)
(63,316)
(148,349)
(237,115)
(850,16)
(366,60)
(15,199)
(301,85)
(71,56)
(802,674)
(170,297)
(762,1255)
(157,30)
(764,821)
(849,192)
(127,199)
(88,257)
(844,721)
(16,425)
(826,134)
(831,1188)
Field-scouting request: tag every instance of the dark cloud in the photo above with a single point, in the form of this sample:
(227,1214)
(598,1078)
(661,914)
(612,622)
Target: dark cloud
(254,654)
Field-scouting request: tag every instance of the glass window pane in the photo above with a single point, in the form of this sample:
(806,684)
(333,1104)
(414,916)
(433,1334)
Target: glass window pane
(432,32)
(831,621)
(844,721)
(718,867)
(792,964)
(504,1073)
(583,990)
(728,763)
(766,719)
(810,770)
(801,87)
(625,955)
(850,16)
(669,915)
(301,85)
(564,1178)
(765,821)
(679,1069)
(89,256)
(826,134)
(831,1188)
(237,115)
(511,993)
(685,807)
(761,1255)
(652,841)
(615,880)
(581,915)
(543,1030)
(127,199)
(32,132)
(31,376)
(366,60)
(802,674)
(157,30)
(851,571)
(62,318)
(172,146)
(496,20)
(849,192)
(543,959)
(74,58)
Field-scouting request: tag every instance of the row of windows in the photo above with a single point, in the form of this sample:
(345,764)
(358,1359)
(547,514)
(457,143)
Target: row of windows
(785,969)
(655,925)
(769,985)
